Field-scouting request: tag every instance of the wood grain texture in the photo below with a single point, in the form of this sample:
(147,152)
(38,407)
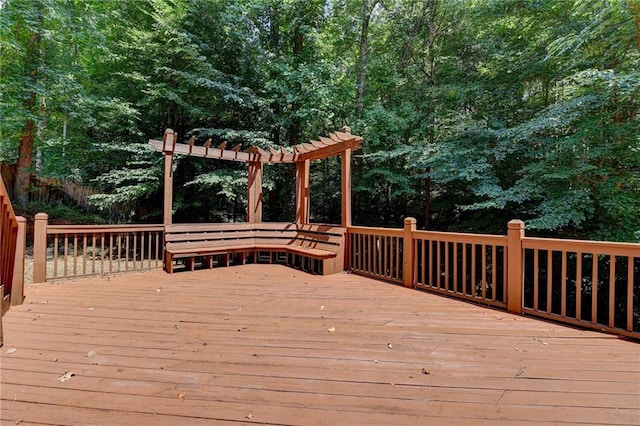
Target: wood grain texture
(252,344)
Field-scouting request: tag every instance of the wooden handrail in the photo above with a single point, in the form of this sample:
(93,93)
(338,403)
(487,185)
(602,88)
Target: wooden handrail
(8,240)
(582,246)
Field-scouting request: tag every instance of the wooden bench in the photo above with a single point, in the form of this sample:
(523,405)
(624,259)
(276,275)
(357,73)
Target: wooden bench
(314,248)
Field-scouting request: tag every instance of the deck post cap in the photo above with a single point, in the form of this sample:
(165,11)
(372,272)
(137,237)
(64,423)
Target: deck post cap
(515,224)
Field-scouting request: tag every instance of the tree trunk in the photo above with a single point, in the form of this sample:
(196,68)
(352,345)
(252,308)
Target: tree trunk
(296,124)
(431,72)
(25,158)
(33,60)
(635,10)
(427,202)
(361,72)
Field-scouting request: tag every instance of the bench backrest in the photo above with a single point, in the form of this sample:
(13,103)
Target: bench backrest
(325,237)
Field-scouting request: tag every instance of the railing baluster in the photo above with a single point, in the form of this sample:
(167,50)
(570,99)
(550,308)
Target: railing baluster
(549,280)
(484,271)
(579,285)
(149,246)
(563,283)
(536,277)
(102,253)
(110,252)
(447,256)
(438,267)
(75,254)
(84,253)
(494,271)
(93,253)
(594,288)
(66,254)
(126,251)
(455,268)
(119,242)
(415,261)
(630,261)
(474,262)
(55,255)
(612,289)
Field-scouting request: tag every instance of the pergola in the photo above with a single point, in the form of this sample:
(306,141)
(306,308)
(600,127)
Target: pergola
(341,143)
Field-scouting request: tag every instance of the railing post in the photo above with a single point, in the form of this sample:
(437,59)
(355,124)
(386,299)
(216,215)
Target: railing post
(407,251)
(17,286)
(515,275)
(40,247)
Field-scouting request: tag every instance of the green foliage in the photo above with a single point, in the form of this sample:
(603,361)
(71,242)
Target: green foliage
(473,113)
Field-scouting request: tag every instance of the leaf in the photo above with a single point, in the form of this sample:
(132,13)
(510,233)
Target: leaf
(66,376)
(331,330)
(11,350)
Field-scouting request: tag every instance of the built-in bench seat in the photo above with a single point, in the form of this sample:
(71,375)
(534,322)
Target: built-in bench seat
(311,247)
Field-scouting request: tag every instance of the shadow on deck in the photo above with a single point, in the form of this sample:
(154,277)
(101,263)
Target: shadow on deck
(267,344)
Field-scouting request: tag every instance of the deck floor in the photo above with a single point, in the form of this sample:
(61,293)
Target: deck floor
(271,345)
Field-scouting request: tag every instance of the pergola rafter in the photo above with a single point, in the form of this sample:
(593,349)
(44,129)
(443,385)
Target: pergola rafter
(341,143)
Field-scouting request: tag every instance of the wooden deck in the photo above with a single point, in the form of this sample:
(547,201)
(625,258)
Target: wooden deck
(270,345)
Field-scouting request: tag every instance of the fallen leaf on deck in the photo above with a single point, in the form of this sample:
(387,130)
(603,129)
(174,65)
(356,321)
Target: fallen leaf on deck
(66,376)
(541,341)
(90,353)
(249,416)
(425,371)
(331,330)
(389,345)
(181,395)
(10,351)
(44,302)
(158,290)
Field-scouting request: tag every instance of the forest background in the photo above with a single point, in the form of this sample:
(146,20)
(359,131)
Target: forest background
(473,112)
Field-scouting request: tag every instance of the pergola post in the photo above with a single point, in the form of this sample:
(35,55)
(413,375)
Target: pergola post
(254,198)
(302,191)
(346,187)
(168,148)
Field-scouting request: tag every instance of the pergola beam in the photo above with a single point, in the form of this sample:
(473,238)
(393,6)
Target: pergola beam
(341,143)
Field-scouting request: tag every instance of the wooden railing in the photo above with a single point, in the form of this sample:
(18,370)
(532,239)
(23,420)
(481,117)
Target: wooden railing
(66,251)
(377,252)
(12,248)
(588,283)
(467,266)
(543,277)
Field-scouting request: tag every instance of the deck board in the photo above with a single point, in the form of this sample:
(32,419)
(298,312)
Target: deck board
(251,344)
